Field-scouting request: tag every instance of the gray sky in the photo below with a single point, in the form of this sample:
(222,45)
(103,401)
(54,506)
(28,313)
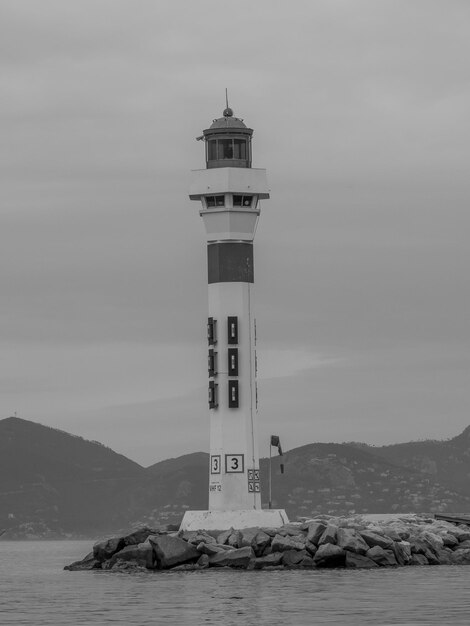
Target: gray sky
(361,118)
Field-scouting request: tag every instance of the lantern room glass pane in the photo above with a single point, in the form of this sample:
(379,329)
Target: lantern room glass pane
(225,148)
(212,149)
(239,149)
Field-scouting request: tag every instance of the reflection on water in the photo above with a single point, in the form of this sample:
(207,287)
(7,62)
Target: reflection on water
(35,590)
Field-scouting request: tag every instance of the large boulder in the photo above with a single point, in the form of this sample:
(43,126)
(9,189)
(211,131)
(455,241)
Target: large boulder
(260,542)
(328,535)
(418,559)
(449,540)
(359,561)
(240,557)
(460,557)
(87,563)
(247,536)
(235,539)
(293,558)
(171,551)
(315,531)
(329,555)
(141,554)
(374,539)
(269,560)
(139,536)
(402,552)
(281,544)
(211,548)
(349,539)
(382,557)
(222,537)
(104,550)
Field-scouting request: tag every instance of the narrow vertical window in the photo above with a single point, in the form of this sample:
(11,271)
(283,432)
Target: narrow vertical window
(212,395)
(233,394)
(211,331)
(233,361)
(232,329)
(212,362)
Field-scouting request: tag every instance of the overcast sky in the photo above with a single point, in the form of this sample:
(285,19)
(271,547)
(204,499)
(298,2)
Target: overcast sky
(361,117)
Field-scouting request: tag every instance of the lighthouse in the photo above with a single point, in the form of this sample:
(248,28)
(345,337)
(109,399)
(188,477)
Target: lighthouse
(230,192)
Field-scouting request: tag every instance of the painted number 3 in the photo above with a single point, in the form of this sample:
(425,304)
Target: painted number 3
(215,464)
(234,463)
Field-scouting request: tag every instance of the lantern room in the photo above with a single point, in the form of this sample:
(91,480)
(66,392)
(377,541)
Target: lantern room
(228,142)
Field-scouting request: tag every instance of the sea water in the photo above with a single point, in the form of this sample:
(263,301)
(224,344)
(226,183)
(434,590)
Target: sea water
(35,590)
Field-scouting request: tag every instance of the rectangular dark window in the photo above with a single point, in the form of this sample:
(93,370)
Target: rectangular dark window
(242,201)
(233,401)
(212,395)
(212,362)
(212,201)
(233,361)
(232,330)
(211,331)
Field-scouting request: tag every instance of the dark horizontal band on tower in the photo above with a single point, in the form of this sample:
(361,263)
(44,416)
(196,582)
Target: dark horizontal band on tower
(230,261)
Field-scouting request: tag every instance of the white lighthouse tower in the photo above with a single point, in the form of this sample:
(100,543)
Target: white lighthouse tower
(230,191)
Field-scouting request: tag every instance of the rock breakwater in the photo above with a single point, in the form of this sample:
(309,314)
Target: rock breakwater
(352,542)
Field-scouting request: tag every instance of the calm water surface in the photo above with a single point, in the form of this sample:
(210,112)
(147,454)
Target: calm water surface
(34,589)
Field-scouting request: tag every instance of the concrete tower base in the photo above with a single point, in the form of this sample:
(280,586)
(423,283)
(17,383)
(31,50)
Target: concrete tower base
(237,519)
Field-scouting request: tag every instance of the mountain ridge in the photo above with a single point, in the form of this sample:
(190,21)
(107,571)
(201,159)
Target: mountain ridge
(55,484)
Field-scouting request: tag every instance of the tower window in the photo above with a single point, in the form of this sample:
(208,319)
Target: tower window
(243,201)
(233,401)
(212,201)
(232,330)
(212,395)
(211,331)
(212,362)
(233,361)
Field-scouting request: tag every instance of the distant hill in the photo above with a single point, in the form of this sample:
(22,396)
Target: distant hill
(56,484)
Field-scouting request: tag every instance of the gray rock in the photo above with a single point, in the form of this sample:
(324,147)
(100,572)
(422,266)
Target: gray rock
(329,555)
(450,540)
(359,561)
(464,545)
(315,531)
(235,539)
(291,530)
(141,554)
(247,536)
(172,551)
(203,561)
(281,544)
(328,535)
(222,538)
(460,557)
(201,536)
(139,536)
(104,550)
(209,548)
(307,562)
(293,558)
(311,548)
(261,541)
(240,557)
(349,539)
(402,552)
(269,560)
(87,563)
(373,539)
(418,559)
(382,557)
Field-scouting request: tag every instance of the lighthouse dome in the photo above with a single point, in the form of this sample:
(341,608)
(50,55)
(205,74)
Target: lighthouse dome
(228,142)
(228,121)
